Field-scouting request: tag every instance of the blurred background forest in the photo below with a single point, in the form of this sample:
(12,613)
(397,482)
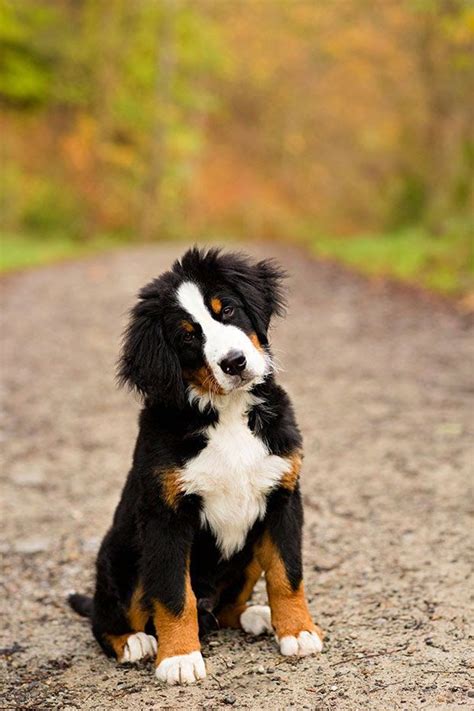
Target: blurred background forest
(346,125)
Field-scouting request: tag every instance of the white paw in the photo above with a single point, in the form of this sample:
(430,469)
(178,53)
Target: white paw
(138,646)
(182,669)
(256,619)
(306,643)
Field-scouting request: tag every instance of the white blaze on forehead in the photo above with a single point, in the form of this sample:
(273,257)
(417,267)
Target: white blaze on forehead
(219,338)
(191,299)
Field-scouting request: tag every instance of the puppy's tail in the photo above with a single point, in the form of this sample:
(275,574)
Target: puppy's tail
(82,604)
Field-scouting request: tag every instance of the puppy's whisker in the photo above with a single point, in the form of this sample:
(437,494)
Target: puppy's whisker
(274,364)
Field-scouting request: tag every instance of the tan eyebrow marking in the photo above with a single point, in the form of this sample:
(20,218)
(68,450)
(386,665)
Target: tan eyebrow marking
(216,305)
(187,326)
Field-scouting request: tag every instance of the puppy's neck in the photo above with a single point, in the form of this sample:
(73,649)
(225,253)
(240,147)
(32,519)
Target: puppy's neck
(238,402)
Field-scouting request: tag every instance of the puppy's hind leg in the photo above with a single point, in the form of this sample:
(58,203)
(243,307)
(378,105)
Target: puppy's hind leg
(234,611)
(131,647)
(120,630)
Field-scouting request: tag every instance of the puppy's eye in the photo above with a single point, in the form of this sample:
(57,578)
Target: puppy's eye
(188,336)
(228,312)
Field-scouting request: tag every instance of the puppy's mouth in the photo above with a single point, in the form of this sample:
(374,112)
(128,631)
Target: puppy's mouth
(242,381)
(239,382)
(206,381)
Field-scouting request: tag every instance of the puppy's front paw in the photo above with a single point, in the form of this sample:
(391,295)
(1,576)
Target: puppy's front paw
(302,645)
(256,619)
(138,646)
(182,669)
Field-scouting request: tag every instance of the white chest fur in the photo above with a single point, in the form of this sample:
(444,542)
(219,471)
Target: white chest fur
(233,474)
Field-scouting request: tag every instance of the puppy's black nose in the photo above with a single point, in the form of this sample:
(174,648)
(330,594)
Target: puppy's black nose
(233,363)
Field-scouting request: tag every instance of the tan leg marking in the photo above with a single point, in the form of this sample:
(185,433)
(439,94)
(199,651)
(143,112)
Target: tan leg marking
(117,642)
(137,618)
(229,616)
(133,646)
(137,615)
(290,479)
(177,634)
(290,614)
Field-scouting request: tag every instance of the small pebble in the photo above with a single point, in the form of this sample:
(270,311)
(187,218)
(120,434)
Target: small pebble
(32,545)
(28,477)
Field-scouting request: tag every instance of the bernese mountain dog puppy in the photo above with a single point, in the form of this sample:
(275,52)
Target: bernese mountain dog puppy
(212,500)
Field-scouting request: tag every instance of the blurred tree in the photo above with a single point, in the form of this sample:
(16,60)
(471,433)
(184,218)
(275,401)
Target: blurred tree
(28,54)
(122,124)
(153,204)
(154,118)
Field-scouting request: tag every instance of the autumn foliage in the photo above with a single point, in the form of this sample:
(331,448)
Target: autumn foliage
(156,118)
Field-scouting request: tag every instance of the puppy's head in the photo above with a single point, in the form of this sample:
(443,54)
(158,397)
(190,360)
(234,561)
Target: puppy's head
(201,329)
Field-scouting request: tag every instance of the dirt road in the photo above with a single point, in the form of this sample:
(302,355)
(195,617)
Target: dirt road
(383,386)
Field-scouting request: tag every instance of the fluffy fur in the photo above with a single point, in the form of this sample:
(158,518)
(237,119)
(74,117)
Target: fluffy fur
(212,500)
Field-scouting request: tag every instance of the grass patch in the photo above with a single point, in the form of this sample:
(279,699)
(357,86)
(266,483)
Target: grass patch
(443,263)
(21,251)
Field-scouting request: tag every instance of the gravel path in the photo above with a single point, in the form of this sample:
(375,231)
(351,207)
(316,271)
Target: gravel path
(382,382)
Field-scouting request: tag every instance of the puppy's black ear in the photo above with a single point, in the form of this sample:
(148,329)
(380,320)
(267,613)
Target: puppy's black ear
(148,363)
(270,277)
(260,286)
